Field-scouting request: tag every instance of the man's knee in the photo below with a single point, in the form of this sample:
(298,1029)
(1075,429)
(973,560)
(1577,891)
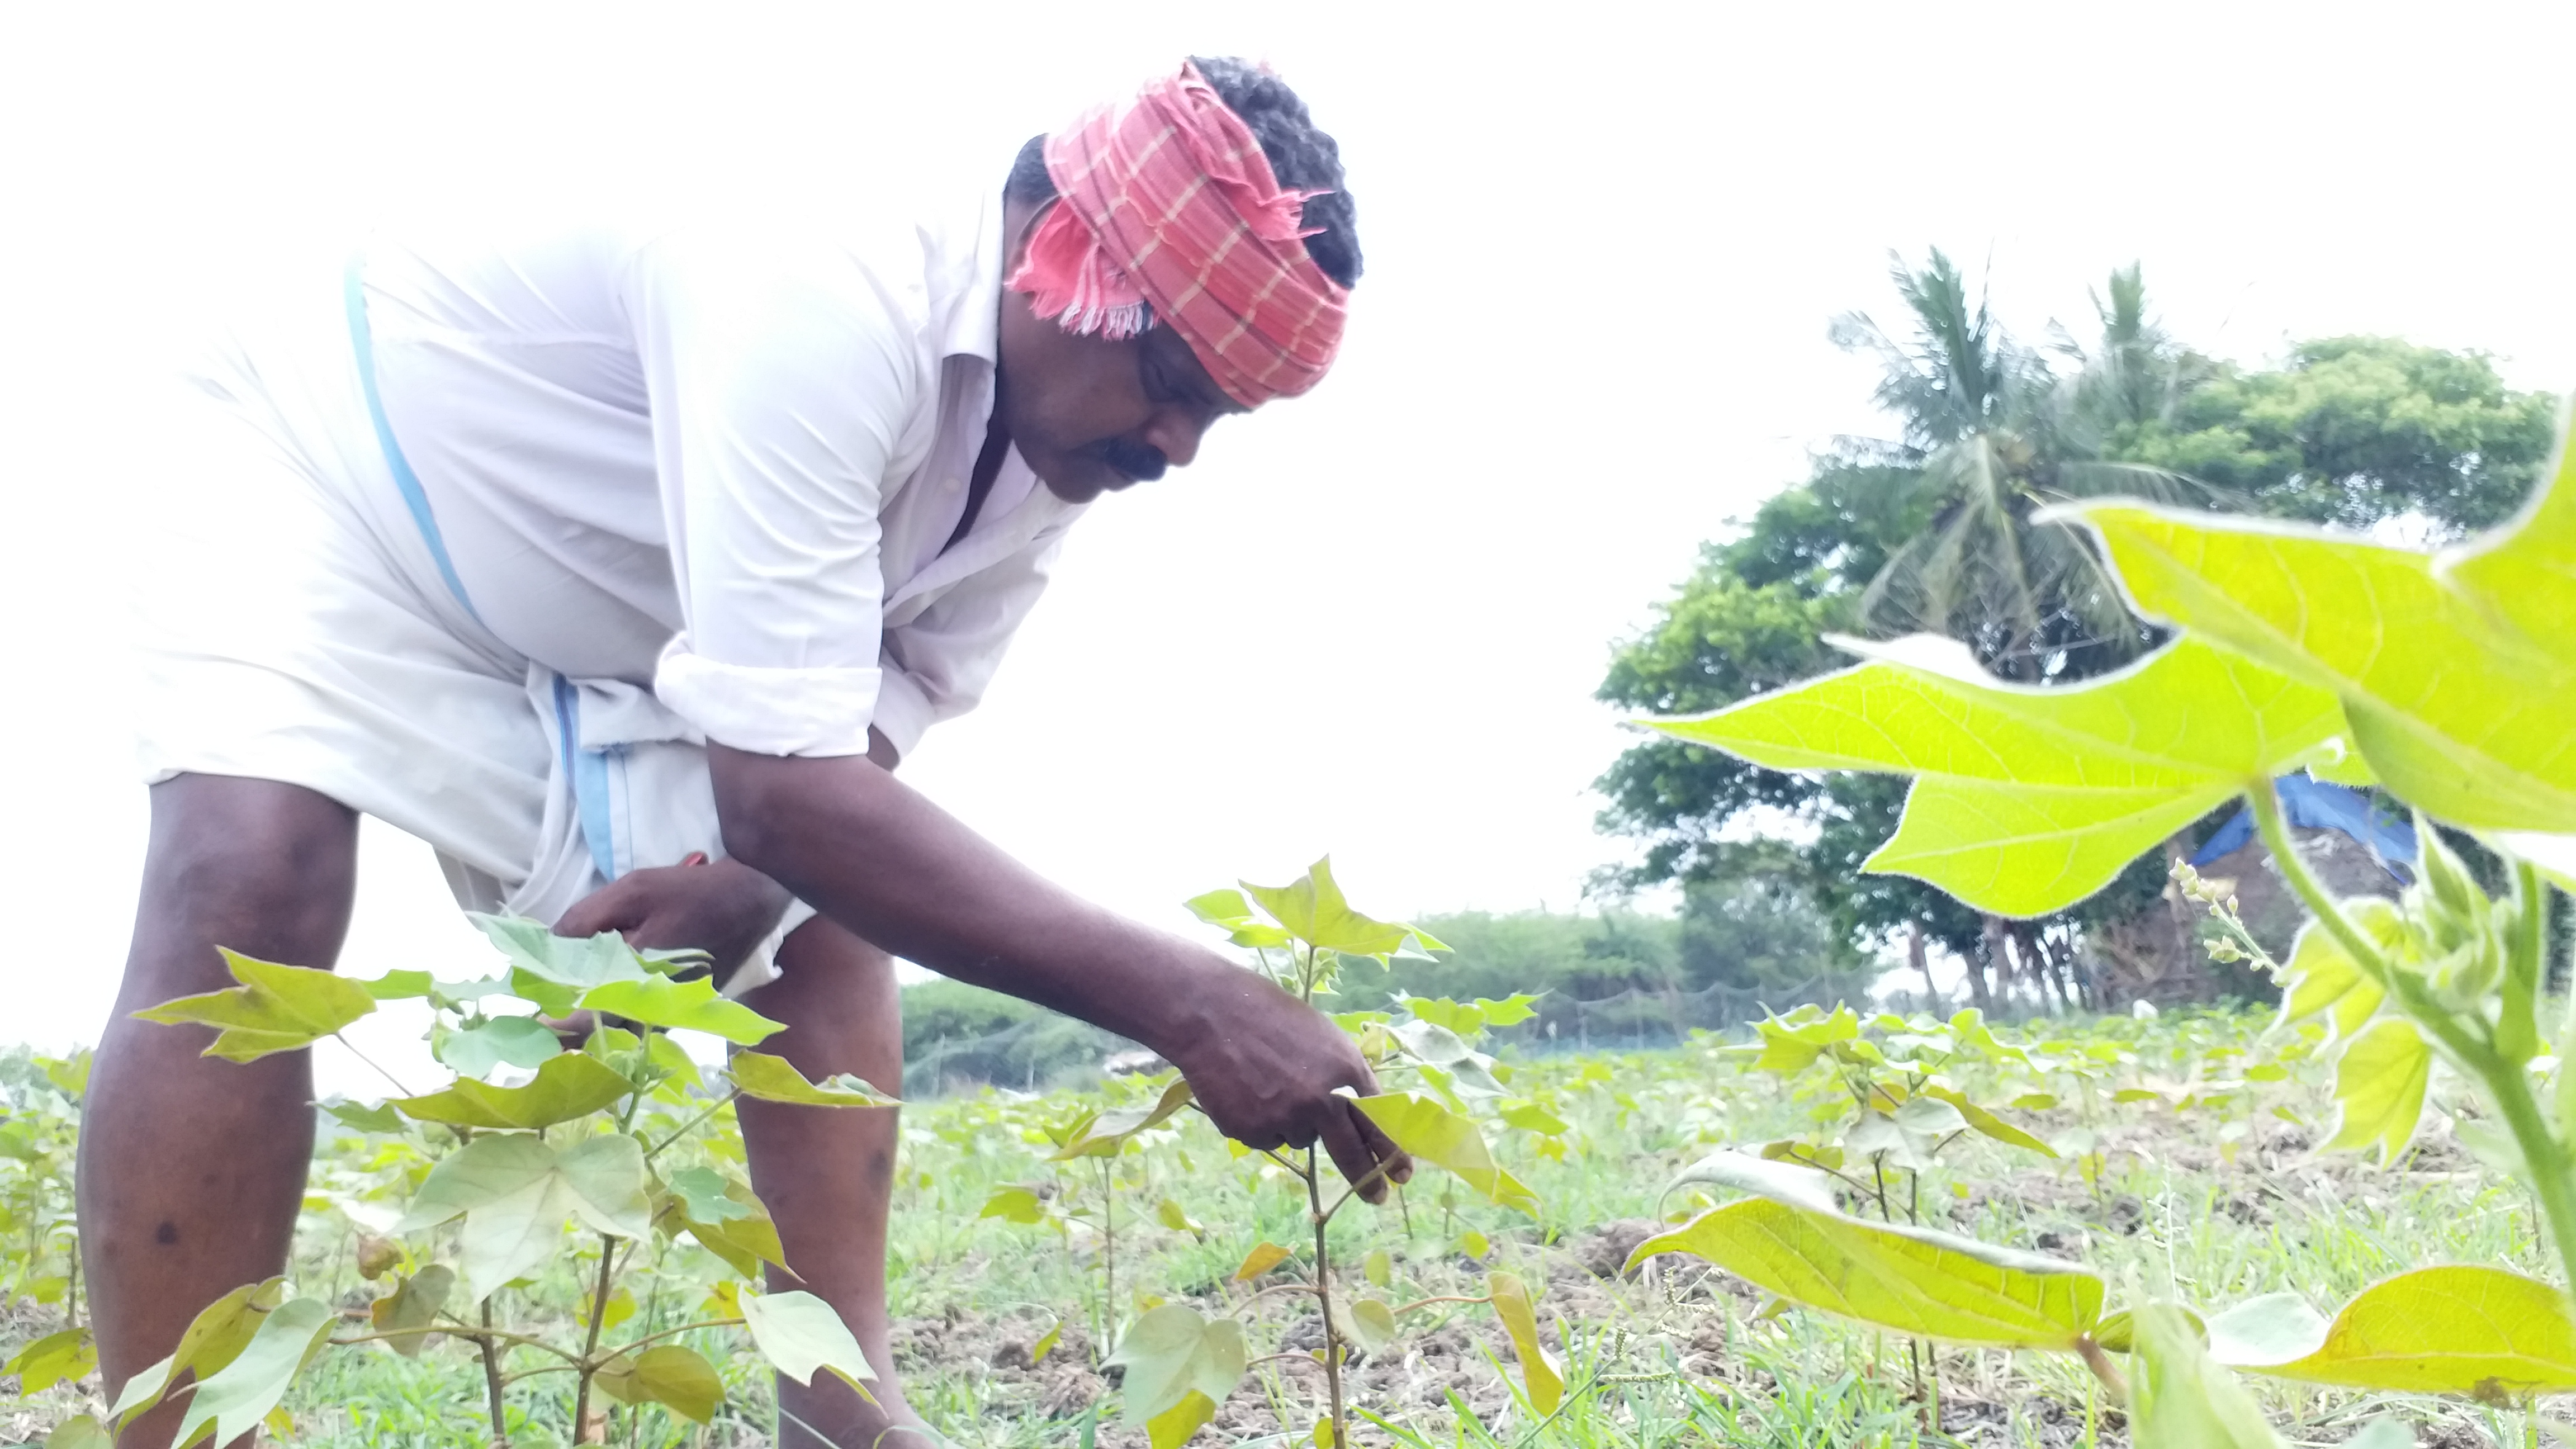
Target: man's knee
(265,868)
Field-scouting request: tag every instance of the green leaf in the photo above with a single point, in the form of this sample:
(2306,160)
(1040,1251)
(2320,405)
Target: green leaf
(379,1118)
(1015,1204)
(703,1191)
(521,1041)
(1173,1427)
(775,1079)
(1790,1044)
(1046,1342)
(1541,1376)
(1441,1137)
(237,1396)
(56,1358)
(399,985)
(668,1374)
(1368,1322)
(2379,1088)
(1987,1123)
(2027,799)
(2456,668)
(1531,1117)
(799,1333)
(573,1084)
(2495,1336)
(514,1192)
(1314,912)
(1228,909)
(1170,1351)
(80,1431)
(219,1332)
(70,1075)
(1106,1133)
(2322,979)
(413,1305)
(1263,1257)
(275,1009)
(1914,1281)
(2181,1398)
(1171,1215)
(686,1005)
(553,971)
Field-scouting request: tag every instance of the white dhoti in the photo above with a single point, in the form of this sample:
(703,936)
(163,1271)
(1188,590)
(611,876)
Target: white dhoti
(294,622)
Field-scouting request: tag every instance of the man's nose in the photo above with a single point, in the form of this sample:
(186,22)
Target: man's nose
(1175,432)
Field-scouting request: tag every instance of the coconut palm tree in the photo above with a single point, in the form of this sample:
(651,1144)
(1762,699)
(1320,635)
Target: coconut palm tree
(1994,434)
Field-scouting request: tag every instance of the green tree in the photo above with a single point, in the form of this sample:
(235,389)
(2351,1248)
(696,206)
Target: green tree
(2355,430)
(1932,531)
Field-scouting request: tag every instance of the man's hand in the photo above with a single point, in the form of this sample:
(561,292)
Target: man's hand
(1267,1068)
(724,908)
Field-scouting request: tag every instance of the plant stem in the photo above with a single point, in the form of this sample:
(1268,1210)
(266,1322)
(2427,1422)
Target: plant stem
(631,1346)
(2105,1370)
(399,1089)
(1324,1291)
(590,1345)
(492,1384)
(2507,1084)
(1108,1255)
(685,1128)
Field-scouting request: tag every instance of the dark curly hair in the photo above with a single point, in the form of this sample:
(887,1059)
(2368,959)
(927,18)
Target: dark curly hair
(1301,156)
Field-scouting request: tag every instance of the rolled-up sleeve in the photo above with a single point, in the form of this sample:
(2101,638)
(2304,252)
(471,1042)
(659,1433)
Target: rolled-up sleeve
(939,664)
(782,377)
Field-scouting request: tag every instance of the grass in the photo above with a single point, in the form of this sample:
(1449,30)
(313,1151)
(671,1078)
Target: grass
(2219,1202)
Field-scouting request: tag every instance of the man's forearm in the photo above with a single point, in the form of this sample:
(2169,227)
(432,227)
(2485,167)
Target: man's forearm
(876,856)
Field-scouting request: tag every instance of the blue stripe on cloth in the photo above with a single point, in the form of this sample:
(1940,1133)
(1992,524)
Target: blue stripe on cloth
(405,480)
(588,772)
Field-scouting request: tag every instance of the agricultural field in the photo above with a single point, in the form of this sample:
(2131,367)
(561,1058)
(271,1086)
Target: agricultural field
(2178,1156)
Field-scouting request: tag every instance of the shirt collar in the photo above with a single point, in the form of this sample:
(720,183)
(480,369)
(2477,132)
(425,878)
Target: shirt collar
(965,276)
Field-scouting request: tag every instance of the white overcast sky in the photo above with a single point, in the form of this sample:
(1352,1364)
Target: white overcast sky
(1604,242)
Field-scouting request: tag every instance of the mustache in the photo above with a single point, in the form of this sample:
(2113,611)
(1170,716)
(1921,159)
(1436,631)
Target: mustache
(1140,461)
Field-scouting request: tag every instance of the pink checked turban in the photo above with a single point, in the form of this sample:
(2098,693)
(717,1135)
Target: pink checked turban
(1168,204)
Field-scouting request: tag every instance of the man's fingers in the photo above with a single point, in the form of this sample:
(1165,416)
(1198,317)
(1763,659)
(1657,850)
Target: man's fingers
(1399,1166)
(1352,1152)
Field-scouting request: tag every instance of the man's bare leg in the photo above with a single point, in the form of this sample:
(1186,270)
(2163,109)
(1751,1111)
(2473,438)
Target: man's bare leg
(827,1173)
(191,1169)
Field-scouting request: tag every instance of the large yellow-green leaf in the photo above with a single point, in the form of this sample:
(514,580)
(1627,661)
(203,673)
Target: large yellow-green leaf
(687,1005)
(1103,1135)
(237,1396)
(800,1335)
(2492,1335)
(1541,1376)
(668,1374)
(275,1009)
(2379,1088)
(2458,669)
(515,1191)
(1313,910)
(412,1307)
(554,971)
(1173,1350)
(219,1331)
(1924,1284)
(2322,979)
(775,1079)
(521,1041)
(2027,799)
(570,1085)
(2181,1398)
(1441,1137)
(65,1357)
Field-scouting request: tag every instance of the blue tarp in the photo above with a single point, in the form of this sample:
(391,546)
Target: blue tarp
(2316,805)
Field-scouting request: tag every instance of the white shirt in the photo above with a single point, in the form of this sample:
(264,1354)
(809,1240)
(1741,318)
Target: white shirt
(722,460)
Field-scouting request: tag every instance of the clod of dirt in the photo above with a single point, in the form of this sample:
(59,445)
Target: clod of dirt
(1604,1251)
(1070,1390)
(2125,1214)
